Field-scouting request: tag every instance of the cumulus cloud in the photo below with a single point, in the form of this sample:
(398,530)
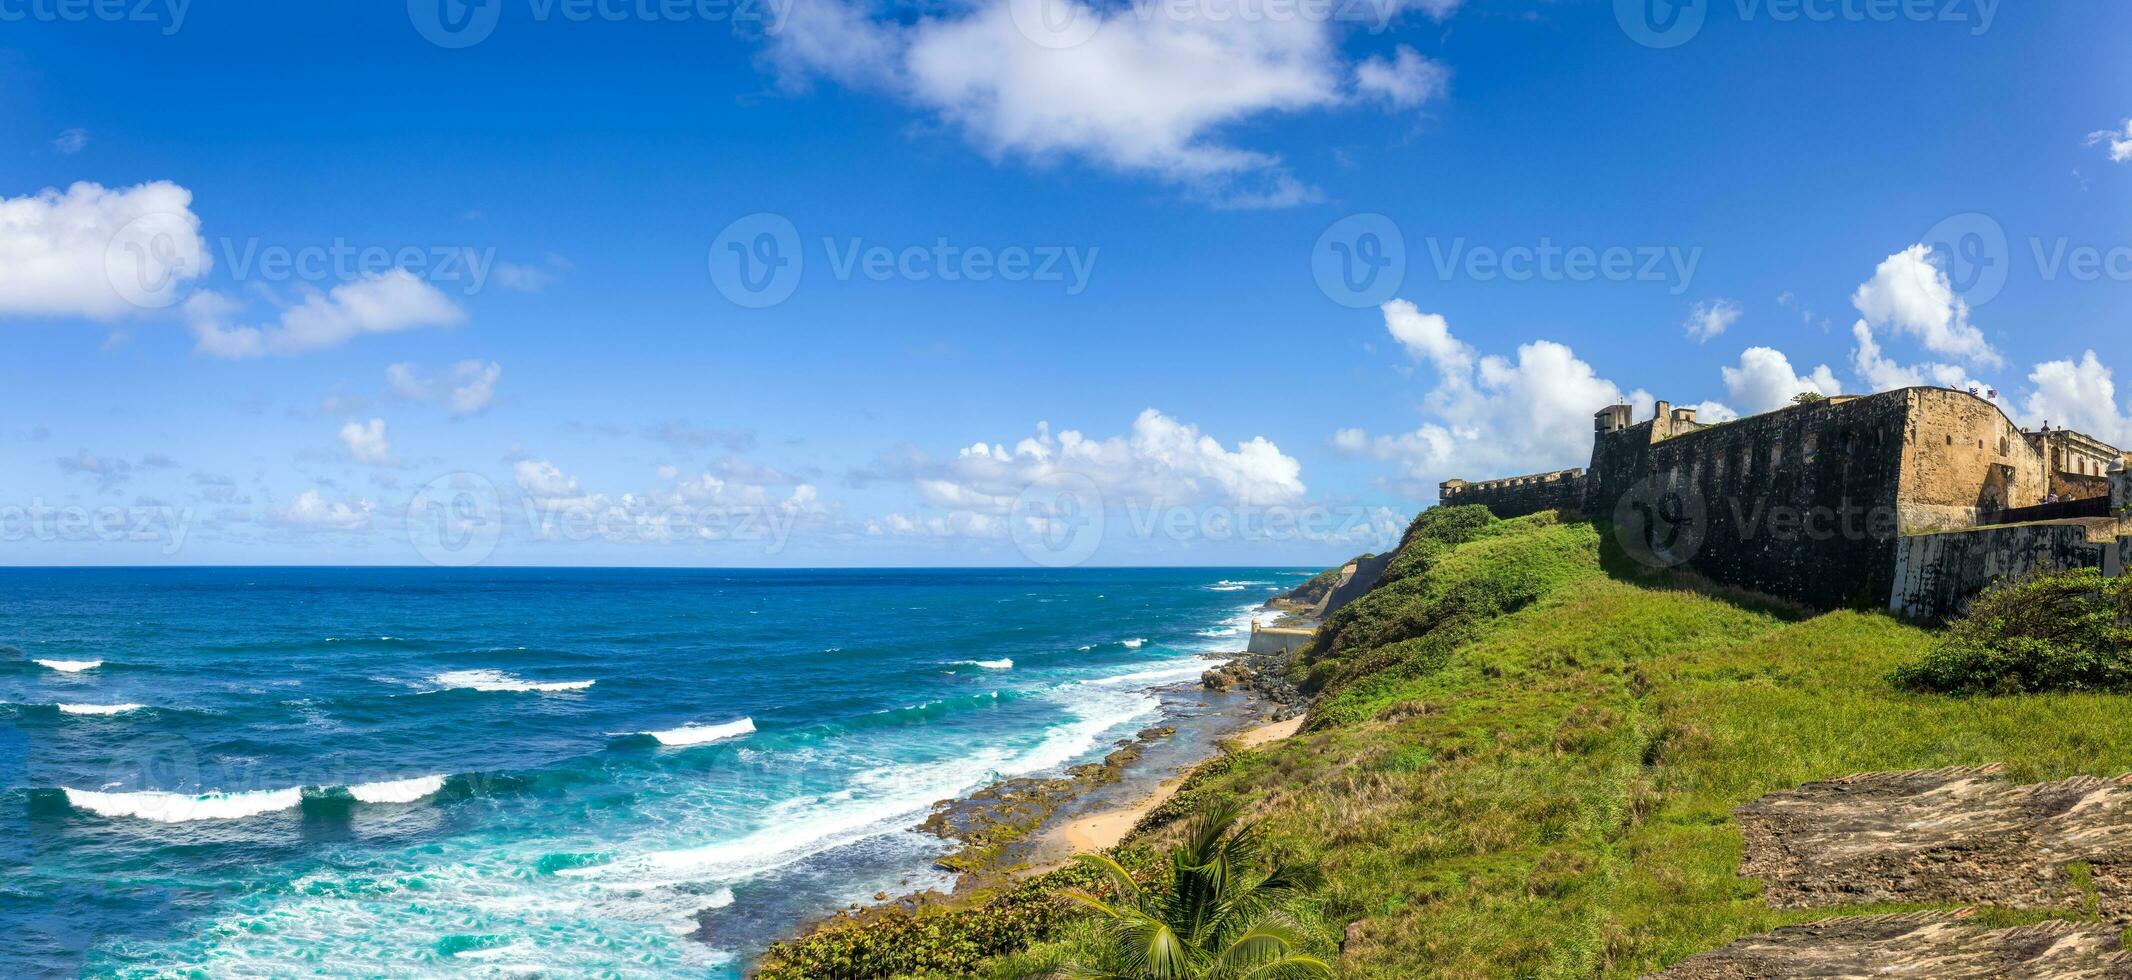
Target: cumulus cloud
(1134,89)
(1910,294)
(99,253)
(366,442)
(1711,319)
(2079,395)
(1405,81)
(1491,416)
(2118,140)
(542,479)
(1765,381)
(387,303)
(688,507)
(1160,461)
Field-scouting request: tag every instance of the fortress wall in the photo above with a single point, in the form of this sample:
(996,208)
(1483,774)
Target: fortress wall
(1964,459)
(1799,503)
(1521,495)
(1936,575)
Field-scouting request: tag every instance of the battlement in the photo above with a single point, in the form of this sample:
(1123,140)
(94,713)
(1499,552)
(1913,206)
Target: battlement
(1810,502)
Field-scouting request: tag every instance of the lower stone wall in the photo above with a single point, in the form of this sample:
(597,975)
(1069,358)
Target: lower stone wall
(1522,495)
(1936,575)
(1277,639)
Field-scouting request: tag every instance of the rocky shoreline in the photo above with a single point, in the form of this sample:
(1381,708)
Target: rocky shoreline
(1007,831)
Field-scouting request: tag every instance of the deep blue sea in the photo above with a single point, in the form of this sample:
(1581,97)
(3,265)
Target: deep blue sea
(369,772)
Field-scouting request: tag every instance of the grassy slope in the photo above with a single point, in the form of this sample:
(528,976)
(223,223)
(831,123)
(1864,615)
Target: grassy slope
(1551,795)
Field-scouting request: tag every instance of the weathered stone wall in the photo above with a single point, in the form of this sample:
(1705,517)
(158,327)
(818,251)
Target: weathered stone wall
(1799,503)
(1519,495)
(1963,459)
(1359,577)
(1936,575)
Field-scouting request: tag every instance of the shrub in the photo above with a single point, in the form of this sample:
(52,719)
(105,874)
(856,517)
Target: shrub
(2069,631)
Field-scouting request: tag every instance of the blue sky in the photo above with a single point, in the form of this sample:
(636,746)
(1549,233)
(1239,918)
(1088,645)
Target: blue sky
(544,336)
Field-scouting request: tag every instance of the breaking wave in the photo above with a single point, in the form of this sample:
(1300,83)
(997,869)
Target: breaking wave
(496,680)
(99,709)
(71,666)
(702,734)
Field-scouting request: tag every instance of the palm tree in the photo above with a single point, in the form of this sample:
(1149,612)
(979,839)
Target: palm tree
(1215,918)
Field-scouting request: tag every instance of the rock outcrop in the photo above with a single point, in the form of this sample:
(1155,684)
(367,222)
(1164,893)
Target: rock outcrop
(1941,945)
(1963,835)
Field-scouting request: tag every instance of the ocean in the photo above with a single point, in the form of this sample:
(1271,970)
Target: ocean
(356,771)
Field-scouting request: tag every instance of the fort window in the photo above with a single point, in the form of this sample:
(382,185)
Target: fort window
(1813,447)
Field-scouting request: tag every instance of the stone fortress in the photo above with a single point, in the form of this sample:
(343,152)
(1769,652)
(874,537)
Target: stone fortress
(1913,500)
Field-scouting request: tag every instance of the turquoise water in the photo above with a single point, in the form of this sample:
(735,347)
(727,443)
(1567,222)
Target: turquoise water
(573,772)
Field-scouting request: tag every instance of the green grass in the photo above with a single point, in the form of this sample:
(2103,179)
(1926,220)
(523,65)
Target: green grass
(1522,765)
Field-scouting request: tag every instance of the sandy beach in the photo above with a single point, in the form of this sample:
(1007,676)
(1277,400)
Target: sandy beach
(1099,831)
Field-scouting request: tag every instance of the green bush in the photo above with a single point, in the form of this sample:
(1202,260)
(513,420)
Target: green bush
(2070,631)
(891,943)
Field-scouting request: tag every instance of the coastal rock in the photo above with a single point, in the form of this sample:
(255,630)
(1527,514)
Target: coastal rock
(1944,946)
(1962,835)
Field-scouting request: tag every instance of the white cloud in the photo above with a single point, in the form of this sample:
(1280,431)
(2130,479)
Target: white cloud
(310,510)
(474,386)
(469,388)
(2081,396)
(1146,91)
(388,303)
(1710,319)
(1493,416)
(98,252)
(2118,140)
(1161,460)
(1427,336)
(543,479)
(1911,294)
(1765,381)
(72,141)
(1405,81)
(405,381)
(366,442)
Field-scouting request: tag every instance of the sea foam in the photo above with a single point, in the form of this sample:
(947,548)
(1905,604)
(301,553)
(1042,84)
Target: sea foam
(1133,644)
(99,709)
(183,807)
(703,734)
(1001,664)
(397,790)
(496,680)
(71,666)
